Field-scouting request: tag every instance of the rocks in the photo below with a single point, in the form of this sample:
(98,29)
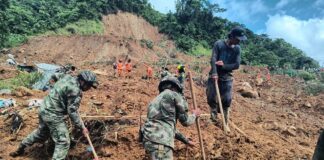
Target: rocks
(292,114)
(319,108)
(271,126)
(247,91)
(290,131)
(97,103)
(307,105)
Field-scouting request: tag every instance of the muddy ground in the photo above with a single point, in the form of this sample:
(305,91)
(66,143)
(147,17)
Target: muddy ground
(281,123)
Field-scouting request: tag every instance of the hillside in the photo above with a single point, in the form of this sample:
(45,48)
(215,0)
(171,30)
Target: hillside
(283,123)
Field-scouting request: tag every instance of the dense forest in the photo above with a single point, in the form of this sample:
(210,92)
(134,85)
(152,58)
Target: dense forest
(194,26)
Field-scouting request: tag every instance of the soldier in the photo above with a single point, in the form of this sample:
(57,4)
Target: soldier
(225,58)
(165,72)
(159,130)
(64,99)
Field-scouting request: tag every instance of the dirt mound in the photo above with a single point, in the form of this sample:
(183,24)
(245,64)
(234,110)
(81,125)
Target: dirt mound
(281,122)
(130,26)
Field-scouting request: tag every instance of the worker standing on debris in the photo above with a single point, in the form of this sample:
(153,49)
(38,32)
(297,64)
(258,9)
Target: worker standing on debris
(165,72)
(115,69)
(225,58)
(128,68)
(181,74)
(120,66)
(159,130)
(64,99)
(149,72)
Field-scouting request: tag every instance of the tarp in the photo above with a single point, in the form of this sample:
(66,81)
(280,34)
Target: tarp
(48,70)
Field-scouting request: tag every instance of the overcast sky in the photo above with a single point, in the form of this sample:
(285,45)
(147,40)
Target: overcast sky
(299,22)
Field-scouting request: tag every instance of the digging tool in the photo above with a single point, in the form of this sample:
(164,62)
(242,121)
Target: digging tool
(221,107)
(197,119)
(238,129)
(89,140)
(140,134)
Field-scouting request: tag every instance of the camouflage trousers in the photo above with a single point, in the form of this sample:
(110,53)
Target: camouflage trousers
(157,151)
(55,128)
(225,89)
(319,150)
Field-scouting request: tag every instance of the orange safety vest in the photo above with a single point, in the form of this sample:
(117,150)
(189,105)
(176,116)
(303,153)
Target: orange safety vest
(149,72)
(120,68)
(128,67)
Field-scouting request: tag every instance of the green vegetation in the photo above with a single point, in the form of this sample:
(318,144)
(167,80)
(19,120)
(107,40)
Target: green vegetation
(315,88)
(194,27)
(200,50)
(148,43)
(22,79)
(81,27)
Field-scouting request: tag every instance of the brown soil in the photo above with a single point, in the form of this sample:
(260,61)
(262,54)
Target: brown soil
(280,124)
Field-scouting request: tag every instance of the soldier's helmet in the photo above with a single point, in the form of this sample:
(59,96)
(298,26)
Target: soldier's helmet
(170,80)
(89,77)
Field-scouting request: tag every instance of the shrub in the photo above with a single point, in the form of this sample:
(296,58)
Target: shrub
(314,88)
(22,79)
(148,43)
(306,75)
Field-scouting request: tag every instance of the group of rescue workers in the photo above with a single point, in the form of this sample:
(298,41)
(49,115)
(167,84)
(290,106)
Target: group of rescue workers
(159,130)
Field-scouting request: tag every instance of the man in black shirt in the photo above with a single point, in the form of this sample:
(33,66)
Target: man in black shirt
(225,58)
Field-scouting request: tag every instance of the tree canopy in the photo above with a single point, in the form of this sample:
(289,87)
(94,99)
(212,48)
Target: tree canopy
(194,24)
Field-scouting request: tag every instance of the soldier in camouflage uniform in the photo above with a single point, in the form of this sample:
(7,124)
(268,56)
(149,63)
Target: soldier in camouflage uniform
(64,99)
(165,72)
(159,130)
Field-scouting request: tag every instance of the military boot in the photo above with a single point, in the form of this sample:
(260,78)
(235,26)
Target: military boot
(19,152)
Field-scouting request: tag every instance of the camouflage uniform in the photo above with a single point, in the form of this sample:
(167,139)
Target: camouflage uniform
(159,130)
(64,99)
(165,73)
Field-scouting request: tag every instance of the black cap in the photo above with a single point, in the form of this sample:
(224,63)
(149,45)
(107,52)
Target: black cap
(238,32)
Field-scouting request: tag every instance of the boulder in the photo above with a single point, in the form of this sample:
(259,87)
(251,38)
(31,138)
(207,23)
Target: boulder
(307,104)
(290,131)
(246,90)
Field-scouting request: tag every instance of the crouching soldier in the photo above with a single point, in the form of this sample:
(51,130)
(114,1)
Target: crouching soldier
(64,99)
(159,130)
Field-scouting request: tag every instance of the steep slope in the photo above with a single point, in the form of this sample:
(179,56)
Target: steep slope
(280,124)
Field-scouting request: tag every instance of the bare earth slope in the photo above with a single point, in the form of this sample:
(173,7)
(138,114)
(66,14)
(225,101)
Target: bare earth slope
(280,123)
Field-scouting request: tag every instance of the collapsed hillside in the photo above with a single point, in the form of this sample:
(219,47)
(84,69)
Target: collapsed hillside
(282,122)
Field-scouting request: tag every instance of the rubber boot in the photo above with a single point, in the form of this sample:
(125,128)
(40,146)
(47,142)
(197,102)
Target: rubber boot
(226,116)
(19,152)
(213,115)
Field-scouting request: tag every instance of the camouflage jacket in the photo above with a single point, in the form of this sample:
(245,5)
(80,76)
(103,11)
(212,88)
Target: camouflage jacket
(63,99)
(163,113)
(165,73)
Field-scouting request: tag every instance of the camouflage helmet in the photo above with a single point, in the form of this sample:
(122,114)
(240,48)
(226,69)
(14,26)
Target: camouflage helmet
(89,77)
(170,80)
